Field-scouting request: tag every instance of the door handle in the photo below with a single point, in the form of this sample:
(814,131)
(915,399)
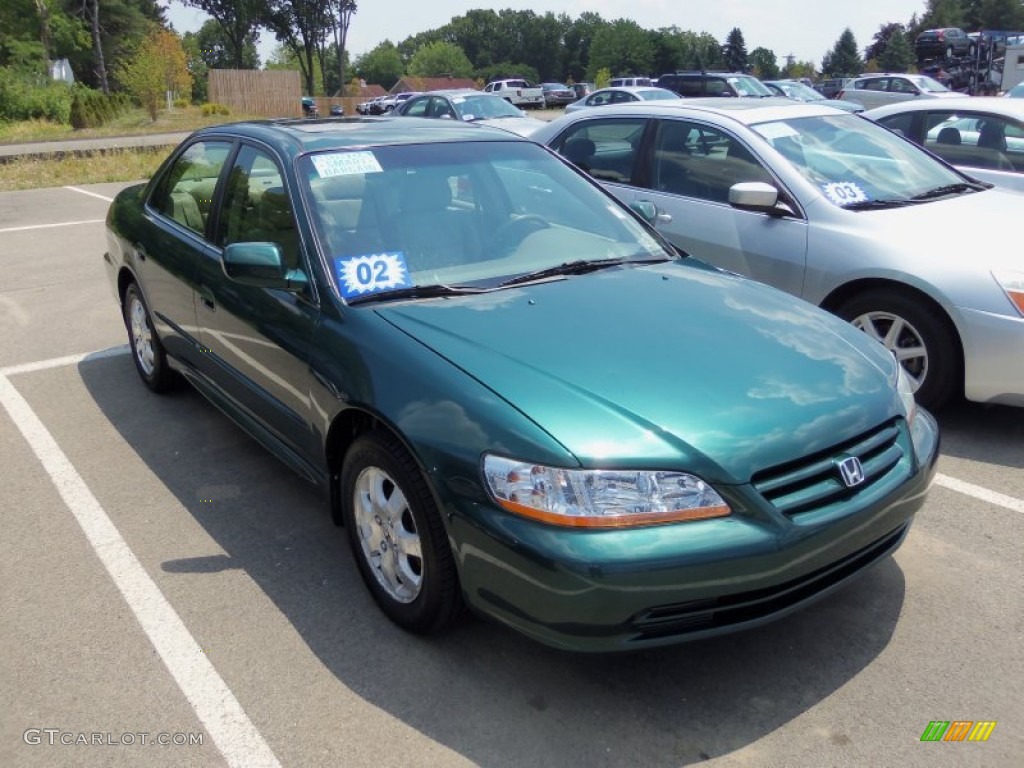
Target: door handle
(206,298)
(664,218)
(140,253)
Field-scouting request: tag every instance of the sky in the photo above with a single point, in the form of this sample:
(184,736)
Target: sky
(808,29)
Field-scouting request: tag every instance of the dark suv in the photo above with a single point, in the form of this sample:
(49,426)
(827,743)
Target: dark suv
(700,84)
(947,42)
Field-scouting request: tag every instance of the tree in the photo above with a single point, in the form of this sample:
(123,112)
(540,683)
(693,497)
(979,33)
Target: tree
(881,39)
(218,52)
(843,60)
(796,69)
(942,13)
(382,65)
(342,12)
(765,64)
(436,59)
(238,21)
(898,55)
(576,44)
(734,52)
(622,47)
(1001,14)
(159,66)
(301,26)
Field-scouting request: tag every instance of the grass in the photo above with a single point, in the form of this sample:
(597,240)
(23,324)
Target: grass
(96,168)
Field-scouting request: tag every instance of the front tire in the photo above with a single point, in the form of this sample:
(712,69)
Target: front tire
(147,351)
(918,335)
(397,536)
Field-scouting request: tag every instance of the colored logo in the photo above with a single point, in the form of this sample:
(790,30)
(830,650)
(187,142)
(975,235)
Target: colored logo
(958,730)
(851,470)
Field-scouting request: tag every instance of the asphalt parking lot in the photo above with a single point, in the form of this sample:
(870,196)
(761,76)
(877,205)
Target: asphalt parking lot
(164,579)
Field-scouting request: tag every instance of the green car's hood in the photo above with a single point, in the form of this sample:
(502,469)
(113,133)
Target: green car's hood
(665,366)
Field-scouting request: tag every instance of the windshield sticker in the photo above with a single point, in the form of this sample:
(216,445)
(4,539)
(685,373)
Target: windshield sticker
(772,131)
(844,193)
(363,275)
(345,164)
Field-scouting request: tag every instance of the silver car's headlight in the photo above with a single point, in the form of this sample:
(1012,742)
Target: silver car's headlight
(906,393)
(600,498)
(1012,283)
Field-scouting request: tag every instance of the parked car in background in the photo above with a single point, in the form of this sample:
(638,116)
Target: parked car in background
(792,89)
(337,110)
(366,107)
(583,89)
(376,304)
(629,82)
(703,84)
(982,136)
(837,210)
(605,96)
(946,42)
(309,107)
(517,92)
(1017,92)
(885,88)
(830,87)
(557,94)
(471,107)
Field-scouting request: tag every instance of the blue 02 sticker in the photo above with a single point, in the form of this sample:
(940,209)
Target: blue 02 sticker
(374,273)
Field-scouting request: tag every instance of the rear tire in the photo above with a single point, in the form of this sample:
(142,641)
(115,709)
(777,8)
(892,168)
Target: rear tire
(397,537)
(919,335)
(147,351)
(949,51)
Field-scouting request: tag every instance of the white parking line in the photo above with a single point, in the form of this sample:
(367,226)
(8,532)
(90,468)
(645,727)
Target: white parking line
(91,194)
(60,362)
(50,226)
(970,489)
(214,703)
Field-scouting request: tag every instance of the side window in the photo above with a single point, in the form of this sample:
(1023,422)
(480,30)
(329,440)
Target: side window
(256,206)
(606,149)
(185,193)
(899,85)
(716,86)
(691,86)
(876,84)
(599,99)
(901,124)
(417,108)
(698,161)
(441,108)
(979,141)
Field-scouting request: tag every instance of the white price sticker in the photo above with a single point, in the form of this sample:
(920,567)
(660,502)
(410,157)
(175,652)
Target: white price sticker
(345,164)
(361,275)
(844,193)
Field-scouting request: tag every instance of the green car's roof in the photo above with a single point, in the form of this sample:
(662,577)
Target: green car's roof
(299,135)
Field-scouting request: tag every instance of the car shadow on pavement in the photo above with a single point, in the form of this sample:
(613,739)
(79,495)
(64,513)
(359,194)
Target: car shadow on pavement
(990,434)
(489,694)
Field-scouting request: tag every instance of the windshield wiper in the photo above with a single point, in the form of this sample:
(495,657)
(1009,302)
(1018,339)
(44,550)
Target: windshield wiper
(418,292)
(579,267)
(866,205)
(949,189)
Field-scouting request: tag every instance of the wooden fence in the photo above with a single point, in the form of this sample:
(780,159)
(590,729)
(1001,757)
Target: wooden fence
(268,93)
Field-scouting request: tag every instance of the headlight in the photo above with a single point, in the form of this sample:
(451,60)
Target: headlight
(1013,284)
(906,392)
(600,498)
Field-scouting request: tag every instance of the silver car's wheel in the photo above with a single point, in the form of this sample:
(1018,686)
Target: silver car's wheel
(396,534)
(899,337)
(387,534)
(920,336)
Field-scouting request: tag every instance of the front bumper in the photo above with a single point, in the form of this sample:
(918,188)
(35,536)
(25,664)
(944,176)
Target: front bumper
(993,357)
(629,589)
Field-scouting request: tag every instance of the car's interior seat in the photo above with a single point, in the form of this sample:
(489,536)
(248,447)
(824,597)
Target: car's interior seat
(277,224)
(203,191)
(580,152)
(185,211)
(433,234)
(949,135)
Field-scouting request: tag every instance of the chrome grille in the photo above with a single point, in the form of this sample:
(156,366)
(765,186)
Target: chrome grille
(815,482)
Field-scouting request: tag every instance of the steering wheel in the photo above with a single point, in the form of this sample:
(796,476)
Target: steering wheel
(514,231)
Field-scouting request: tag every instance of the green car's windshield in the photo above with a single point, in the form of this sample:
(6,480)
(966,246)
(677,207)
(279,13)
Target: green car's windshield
(855,162)
(472,214)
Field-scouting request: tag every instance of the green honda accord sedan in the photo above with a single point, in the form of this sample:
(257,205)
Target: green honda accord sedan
(515,394)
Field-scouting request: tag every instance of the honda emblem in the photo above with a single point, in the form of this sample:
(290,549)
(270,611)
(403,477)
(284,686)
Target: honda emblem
(851,470)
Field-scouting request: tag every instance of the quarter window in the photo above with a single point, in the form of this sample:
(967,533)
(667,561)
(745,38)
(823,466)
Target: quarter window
(185,193)
(606,149)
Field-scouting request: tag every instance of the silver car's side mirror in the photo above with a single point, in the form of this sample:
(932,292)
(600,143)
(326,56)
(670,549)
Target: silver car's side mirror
(753,194)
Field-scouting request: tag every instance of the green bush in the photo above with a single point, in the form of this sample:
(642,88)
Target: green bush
(91,109)
(25,97)
(215,109)
(181,103)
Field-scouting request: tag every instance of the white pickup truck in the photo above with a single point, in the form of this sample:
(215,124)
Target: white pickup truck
(518,93)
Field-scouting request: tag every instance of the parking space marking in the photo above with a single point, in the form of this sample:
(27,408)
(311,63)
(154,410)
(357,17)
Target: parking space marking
(59,362)
(216,706)
(970,489)
(51,226)
(91,194)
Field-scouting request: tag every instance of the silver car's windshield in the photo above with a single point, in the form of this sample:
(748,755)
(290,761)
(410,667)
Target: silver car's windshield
(801,92)
(929,85)
(656,94)
(483,107)
(749,86)
(854,161)
(461,214)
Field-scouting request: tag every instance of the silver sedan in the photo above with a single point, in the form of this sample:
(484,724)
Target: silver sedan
(836,210)
(982,136)
(622,95)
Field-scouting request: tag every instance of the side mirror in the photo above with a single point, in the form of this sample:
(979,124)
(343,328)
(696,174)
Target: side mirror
(647,210)
(261,265)
(755,196)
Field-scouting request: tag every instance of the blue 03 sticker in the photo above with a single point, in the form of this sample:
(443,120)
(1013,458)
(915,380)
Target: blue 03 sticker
(374,273)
